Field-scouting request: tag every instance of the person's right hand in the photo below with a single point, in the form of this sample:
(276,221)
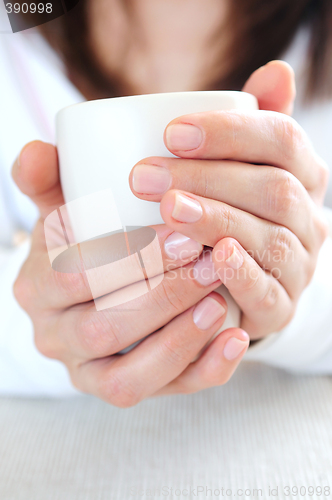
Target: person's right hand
(179,316)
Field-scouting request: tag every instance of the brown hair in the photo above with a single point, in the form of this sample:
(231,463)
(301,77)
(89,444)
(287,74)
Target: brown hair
(260,31)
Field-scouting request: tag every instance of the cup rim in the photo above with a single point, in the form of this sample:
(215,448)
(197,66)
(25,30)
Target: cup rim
(142,97)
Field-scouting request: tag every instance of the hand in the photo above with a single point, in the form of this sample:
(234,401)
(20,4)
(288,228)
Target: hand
(249,185)
(179,316)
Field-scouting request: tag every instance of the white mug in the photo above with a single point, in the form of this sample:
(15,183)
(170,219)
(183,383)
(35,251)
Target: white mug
(100,141)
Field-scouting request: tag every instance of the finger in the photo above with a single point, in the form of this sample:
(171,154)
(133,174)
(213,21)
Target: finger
(262,137)
(215,367)
(36,173)
(266,307)
(125,380)
(95,268)
(274,87)
(266,192)
(88,332)
(209,221)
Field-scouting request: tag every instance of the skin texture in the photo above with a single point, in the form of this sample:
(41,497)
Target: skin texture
(161,46)
(271,215)
(266,150)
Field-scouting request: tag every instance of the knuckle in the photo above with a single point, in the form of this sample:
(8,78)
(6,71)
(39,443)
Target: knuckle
(309,271)
(176,350)
(281,244)
(96,333)
(323,174)
(282,194)
(231,124)
(20,289)
(269,298)
(290,136)
(246,278)
(115,388)
(168,298)
(249,282)
(71,284)
(309,275)
(75,380)
(288,319)
(73,369)
(201,182)
(228,221)
(43,346)
(24,290)
(323,229)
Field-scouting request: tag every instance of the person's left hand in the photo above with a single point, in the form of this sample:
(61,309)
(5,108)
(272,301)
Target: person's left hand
(249,185)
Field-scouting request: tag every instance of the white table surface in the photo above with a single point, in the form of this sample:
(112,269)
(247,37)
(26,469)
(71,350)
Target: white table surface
(265,428)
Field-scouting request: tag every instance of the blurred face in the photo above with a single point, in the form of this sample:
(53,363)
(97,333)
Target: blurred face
(158,45)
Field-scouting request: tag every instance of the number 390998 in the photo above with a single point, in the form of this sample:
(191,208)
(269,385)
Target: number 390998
(31,8)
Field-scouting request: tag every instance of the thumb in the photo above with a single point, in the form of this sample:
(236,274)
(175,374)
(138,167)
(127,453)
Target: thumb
(274,87)
(36,173)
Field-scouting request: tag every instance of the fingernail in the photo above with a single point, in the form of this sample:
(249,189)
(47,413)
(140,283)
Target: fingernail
(235,260)
(234,347)
(207,312)
(177,246)
(204,271)
(186,209)
(149,179)
(183,137)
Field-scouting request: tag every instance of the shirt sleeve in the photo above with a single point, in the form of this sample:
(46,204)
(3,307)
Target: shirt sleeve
(23,370)
(33,87)
(305,345)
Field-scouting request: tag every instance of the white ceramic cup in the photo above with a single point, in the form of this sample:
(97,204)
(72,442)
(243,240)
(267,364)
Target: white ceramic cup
(100,141)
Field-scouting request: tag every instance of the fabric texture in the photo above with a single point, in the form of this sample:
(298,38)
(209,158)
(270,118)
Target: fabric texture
(265,428)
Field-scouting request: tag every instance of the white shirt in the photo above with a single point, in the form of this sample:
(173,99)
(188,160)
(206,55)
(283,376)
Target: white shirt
(33,87)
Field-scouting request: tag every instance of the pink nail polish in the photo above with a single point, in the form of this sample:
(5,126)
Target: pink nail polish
(150,179)
(204,271)
(207,313)
(234,347)
(177,246)
(183,137)
(186,209)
